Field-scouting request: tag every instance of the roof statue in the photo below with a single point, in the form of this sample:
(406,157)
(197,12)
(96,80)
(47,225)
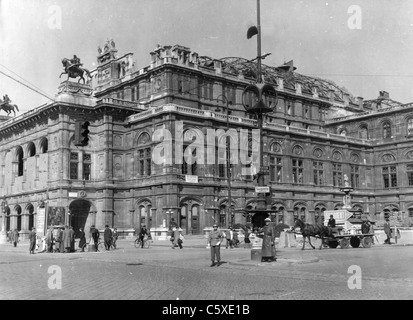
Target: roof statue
(73,69)
(7,106)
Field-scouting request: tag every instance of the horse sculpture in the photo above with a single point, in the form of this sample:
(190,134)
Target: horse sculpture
(74,70)
(309,230)
(8,107)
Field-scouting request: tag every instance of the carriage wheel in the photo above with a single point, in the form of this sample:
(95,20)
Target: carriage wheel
(355,242)
(344,243)
(333,244)
(366,242)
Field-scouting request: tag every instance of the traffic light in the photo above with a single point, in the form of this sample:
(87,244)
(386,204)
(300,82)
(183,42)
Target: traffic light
(81,133)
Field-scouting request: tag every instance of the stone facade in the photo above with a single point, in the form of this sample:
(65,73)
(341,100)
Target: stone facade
(316,134)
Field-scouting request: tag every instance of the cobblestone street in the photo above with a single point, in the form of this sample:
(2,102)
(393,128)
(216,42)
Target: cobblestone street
(162,273)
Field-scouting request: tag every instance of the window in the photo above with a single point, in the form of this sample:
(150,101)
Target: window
(133,94)
(363,133)
(289,107)
(191,169)
(306,111)
(20,162)
(144,162)
(298,171)
(410,210)
(87,163)
(355,176)
(410,126)
(386,130)
(318,170)
(389,177)
(410,174)
(337,175)
(74,164)
(275,169)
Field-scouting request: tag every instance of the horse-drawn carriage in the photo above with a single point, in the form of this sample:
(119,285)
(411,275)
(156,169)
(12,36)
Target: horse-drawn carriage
(348,231)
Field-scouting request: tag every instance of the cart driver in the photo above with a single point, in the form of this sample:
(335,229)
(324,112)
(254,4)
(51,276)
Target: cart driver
(332,222)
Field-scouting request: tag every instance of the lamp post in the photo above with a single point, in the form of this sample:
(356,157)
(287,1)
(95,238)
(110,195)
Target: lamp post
(256,104)
(3,234)
(228,160)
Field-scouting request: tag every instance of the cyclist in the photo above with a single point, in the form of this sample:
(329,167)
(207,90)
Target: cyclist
(142,234)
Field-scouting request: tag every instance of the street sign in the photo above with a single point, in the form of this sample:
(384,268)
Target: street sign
(262,189)
(265,168)
(192,179)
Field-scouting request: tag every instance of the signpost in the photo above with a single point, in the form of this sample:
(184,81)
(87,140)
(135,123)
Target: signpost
(191,179)
(262,189)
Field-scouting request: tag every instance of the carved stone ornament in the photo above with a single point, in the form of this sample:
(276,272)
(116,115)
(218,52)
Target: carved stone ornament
(409,155)
(388,158)
(318,153)
(82,194)
(337,156)
(298,150)
(355,158)
(74,87)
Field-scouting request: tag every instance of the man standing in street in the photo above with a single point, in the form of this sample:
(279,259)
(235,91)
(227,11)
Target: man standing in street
(107,237)
(32,238)
(94,232)
(67,239)
(331,222)
(49,240)
(15,237)
(228,235)
(387,231)
(214,239)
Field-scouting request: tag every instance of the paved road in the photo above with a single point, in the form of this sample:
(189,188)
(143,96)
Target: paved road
(160,273)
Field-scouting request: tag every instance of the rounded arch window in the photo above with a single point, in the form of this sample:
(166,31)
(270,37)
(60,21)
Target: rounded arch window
(410,126)
(31,150)
(19,156)
(363,132)
(44,145)
(386,130)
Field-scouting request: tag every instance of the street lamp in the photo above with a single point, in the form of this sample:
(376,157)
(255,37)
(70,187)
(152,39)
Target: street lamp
(254,101)
(3,234)
(228,160)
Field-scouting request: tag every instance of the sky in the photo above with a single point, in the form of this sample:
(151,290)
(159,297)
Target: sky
(363,45)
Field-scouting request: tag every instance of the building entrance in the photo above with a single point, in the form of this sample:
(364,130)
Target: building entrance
(79,211)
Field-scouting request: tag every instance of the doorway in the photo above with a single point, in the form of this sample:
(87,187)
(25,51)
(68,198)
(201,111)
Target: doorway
(79,212)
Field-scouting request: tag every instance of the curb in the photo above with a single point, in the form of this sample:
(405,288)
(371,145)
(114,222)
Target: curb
(283,260)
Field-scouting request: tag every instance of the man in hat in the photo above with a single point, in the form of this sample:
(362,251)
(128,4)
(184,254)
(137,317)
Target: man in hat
(387,231)
(32,238)
(94,232)
(142,234)
(214,240)
(331,222)
(107,237)
(268,237)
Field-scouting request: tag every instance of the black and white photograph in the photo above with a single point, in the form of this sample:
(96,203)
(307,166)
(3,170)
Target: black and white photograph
(206,155)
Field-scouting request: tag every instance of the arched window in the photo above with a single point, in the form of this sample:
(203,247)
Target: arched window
(386,130)
(222,216)
(19,218)
(19,155)
(31,150)
(363,132)
(44,146)
(30,210)
(410,126)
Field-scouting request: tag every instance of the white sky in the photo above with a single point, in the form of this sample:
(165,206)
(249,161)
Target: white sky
(315,34)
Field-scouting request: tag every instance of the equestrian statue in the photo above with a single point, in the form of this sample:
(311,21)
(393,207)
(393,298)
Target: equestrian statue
(7,106)
(74,69)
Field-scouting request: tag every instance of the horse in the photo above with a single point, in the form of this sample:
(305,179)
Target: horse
(74,71)
(8,107)
(309,230)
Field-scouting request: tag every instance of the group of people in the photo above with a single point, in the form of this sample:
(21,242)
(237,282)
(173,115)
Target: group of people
(267,234)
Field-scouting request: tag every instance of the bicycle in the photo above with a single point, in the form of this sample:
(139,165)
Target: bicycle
(101,246)
(138,243)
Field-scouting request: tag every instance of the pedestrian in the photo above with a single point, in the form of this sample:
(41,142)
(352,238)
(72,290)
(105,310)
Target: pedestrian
(49,240)
(9,236)
(228,236)
(32,238)
(177,238)
(107,237)
(114,237)
(94,232)
(82,240)
(58,239)
(235,240)
(72,239)
(247,240)
(214,240)
(268,249)
(66,239)
(142,234)
(15,237)
(62,245)
(365,227)
(387,231)
(371,231)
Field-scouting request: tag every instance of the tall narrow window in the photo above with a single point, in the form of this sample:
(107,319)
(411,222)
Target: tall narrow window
(363,133)
(133,94)
(298,171)
(275,169)
(410,126)
(386,130)
(148,160)
(74,164)
(20,162)
(389,177)
(410,174)
(87,163)
(337,175)
(355,176)
(318,170)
